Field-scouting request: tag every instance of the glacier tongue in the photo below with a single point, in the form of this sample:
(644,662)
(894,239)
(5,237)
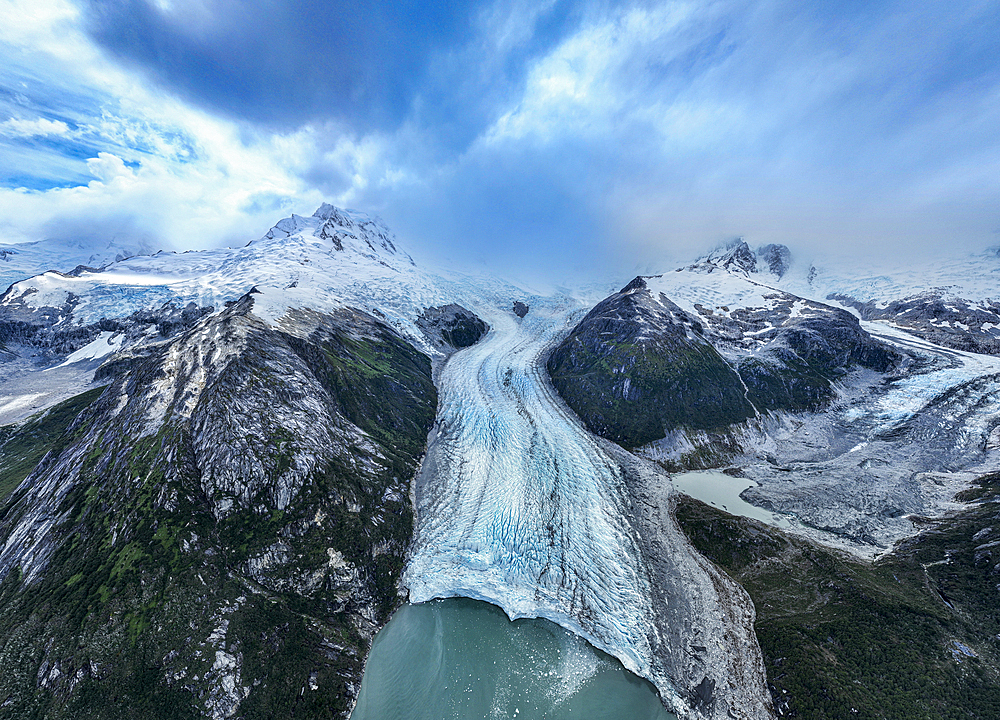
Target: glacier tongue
(519,507)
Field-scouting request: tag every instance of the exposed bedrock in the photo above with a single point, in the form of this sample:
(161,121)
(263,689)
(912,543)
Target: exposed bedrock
(42,333)
(952,322)
(223,527)
(451,327)
(638,367)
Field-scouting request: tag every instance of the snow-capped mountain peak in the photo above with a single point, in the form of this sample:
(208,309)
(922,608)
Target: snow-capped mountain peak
(345,230)
(737,257)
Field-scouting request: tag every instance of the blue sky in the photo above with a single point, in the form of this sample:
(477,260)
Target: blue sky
(581,138)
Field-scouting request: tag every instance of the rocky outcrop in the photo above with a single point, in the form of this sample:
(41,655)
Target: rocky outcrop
(221,532)
(637,366)
(41,330)
(451,327)
(777,258)
(939,318)
(737,257)
(795,363)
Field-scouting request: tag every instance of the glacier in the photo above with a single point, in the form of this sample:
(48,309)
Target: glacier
(516,503)
(518,506)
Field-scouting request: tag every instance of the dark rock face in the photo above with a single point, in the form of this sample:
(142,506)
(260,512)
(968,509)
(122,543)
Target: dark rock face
(776,257)
(950,322)
(453,325)
(797,367)
(520,309)
(38,330)
(739,257)
(635,368)
(223,527)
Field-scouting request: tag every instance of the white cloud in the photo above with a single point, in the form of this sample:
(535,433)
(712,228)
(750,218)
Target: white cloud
(180,177)
(668,124)
(106,167)
(208,202)
(17,127)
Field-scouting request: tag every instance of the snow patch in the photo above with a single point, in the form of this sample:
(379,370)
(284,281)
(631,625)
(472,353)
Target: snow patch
(105,344)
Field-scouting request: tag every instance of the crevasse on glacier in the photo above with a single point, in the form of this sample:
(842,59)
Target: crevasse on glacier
(517,505)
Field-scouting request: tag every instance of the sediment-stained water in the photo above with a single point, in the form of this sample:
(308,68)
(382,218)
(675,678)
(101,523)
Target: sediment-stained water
(461,659)
(723,491)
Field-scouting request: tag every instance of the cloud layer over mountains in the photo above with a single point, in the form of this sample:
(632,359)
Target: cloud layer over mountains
(559,136)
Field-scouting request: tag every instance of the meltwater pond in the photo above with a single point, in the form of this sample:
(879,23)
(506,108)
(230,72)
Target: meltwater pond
(459,659)
(723,491)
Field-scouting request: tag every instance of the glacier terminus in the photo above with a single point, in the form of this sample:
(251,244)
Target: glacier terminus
(519,506)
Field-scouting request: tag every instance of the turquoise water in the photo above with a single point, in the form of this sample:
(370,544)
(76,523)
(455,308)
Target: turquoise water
(463,659)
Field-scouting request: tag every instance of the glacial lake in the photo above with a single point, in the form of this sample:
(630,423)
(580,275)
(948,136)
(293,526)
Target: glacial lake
(723,491)
(461,659)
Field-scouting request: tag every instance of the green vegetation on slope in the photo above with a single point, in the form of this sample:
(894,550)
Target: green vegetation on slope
(910,637)
(22,446)
(151,598)
(634,393)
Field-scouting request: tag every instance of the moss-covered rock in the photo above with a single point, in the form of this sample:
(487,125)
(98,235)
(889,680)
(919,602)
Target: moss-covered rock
(914,635)
(223,528)
(636,367)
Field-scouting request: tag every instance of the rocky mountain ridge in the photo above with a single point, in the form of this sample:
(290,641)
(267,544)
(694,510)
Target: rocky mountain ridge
(938,317)
(713,367)
(232,510)
(208,460)
(846,426)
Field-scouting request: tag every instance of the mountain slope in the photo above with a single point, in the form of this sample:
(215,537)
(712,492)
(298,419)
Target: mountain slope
(913,635)
(222,528)
(845,426)
(732,350)
(638,366)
